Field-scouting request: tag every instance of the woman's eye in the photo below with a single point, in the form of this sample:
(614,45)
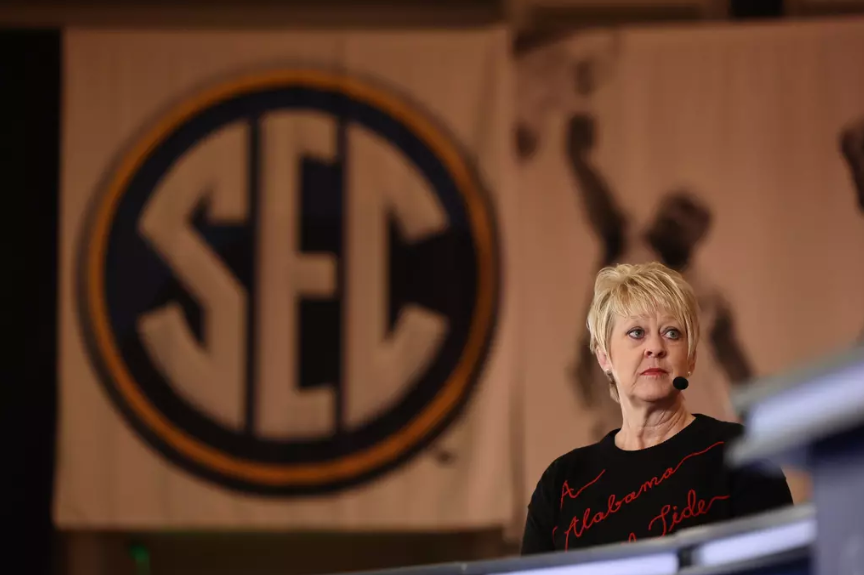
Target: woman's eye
(636,332)
(673,333)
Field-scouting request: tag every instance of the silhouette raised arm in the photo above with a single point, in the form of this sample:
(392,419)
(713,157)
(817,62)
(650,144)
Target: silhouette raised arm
(604,215)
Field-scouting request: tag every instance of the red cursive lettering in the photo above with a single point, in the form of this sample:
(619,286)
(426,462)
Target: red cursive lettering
(655,481)
(614,504)
(567,492)
(695,507)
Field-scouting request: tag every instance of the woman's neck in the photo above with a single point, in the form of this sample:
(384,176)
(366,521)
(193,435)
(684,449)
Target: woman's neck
(647,427)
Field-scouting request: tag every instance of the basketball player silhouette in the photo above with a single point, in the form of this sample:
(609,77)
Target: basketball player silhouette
(680,223)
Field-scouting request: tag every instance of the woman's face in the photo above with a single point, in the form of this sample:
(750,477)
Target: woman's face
(645,354)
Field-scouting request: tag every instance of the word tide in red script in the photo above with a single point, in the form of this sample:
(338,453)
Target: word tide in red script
(694,508)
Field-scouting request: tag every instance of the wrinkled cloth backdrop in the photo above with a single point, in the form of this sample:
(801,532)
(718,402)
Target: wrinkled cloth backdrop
(716,150)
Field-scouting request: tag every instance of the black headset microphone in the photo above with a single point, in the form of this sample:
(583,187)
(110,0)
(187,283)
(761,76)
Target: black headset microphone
(680,383)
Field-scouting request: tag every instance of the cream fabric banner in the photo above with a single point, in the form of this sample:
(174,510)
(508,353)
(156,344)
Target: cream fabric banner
(284,293)
(716,150)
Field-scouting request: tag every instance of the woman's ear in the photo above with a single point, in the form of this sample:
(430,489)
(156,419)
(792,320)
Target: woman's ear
(603,360)
(691,365)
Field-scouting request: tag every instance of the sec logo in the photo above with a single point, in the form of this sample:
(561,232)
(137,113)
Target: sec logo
(290,284)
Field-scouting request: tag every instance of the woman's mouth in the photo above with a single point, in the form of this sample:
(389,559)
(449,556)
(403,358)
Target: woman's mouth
(655,371)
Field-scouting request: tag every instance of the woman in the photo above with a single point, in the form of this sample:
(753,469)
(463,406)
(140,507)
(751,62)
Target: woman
(663,470)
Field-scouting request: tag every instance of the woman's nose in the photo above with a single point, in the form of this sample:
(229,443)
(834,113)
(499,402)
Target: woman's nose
(655,347)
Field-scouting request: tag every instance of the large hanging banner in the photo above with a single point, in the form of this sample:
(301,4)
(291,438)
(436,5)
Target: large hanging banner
(729,153)
(284,291)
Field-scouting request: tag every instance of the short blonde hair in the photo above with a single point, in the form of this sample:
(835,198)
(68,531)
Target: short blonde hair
(628,290)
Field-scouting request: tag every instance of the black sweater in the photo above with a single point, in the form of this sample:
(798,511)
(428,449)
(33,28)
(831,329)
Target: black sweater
(601,494)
